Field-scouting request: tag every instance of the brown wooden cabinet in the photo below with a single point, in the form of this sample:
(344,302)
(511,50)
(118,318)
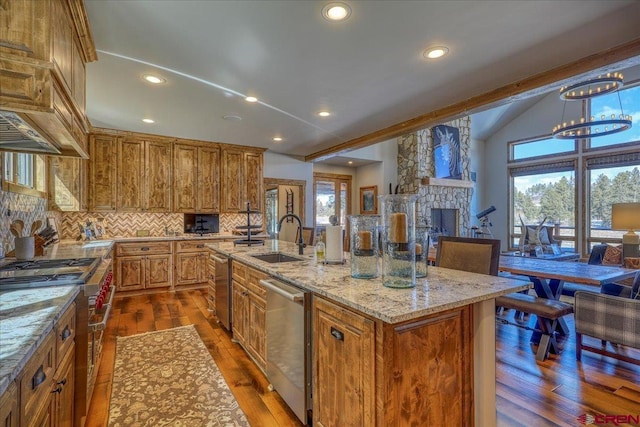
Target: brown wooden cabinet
(241,179)
(343,366)
(249,311)
(63,390)
(144,176)
(102,172)
(146,265)
(192,262)
(197,177)
(9,409)
(211,285)
(44,46)
(67,184)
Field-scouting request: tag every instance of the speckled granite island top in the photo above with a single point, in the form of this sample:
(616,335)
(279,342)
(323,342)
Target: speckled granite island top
(26,317)
(441,290)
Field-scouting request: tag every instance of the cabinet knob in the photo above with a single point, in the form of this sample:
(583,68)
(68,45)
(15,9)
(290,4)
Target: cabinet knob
(62,382)
(144,248)
(57,390)
(337,334)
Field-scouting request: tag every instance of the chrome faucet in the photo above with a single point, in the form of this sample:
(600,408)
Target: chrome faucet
(301,244)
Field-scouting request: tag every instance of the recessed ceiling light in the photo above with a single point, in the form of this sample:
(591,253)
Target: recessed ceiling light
(276,139)
(435,52)
(232,117)
(251,99)
(336,11)
(350,162)
(148,120)
(154,79)
(324,113)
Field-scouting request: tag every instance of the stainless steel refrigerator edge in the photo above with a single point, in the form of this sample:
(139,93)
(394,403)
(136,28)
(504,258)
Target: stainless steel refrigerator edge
(223,289)
(288,325)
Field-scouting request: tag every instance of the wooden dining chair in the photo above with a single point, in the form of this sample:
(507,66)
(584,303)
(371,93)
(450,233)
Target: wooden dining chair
(308,235)
(467,254)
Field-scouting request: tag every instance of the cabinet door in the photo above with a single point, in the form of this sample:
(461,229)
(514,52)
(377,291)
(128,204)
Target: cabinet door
(102,173)
(62,43)
(130,175)
(232,181)
(158,177)
(67,184)
(257,333)
(343,370)
(79,78)
(158,271)
(187,266)
(203,269)
(131,273)
(63,389)
(209,179)
(253,187)
(23,28)
(9,406)
(44,418)
(185,161)
(239,312)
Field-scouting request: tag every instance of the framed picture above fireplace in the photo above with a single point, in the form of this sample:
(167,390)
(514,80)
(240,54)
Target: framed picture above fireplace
(446,152)
(369,200)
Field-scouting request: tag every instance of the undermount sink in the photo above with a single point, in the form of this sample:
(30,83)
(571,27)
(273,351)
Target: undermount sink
(276,257)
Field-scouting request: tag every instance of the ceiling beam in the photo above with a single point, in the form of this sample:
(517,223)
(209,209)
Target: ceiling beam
(616,58)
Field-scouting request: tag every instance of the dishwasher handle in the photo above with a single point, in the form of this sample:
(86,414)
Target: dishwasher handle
(218,259)
(273,285)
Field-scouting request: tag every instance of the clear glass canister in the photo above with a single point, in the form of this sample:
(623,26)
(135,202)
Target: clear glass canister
(422,251)
(364,245)
(398,240)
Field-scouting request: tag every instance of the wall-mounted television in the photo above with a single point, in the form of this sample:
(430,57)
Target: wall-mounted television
(201,223)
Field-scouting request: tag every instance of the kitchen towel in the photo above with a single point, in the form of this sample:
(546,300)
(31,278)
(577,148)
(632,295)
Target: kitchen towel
(333,251)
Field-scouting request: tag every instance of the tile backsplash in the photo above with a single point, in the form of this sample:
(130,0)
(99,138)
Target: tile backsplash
(19,206)
(120,224)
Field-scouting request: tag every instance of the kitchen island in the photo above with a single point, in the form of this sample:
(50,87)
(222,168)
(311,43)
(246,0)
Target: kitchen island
(424,355)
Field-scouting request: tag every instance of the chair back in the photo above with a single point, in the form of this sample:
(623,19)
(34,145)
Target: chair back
(308,235)
(597,254)
(467,254)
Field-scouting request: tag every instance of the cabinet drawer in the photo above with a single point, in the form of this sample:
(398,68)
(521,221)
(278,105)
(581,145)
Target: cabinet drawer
(239,272)
(146,248)
(37,378)
(192,245)
(65,332)
(253,278)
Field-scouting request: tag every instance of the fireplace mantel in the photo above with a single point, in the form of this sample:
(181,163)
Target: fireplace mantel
(446,182)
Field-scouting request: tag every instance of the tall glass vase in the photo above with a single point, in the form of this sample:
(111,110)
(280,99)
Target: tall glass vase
(364,246)
(398,240)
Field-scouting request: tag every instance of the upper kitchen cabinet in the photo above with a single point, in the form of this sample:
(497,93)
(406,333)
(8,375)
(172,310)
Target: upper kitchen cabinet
(242,179)
(102,172)
(67,185)
(44,46)
(144,175)
(196,183)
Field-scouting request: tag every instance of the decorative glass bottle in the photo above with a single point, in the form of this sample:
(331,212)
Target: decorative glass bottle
(422,251)
(398,240)
(364,246)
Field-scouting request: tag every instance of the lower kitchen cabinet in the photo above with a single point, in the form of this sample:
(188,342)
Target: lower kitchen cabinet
(145,265)
(249,312)
(343,367)
(9,406)
(192,262)
(211,285)
(63,391)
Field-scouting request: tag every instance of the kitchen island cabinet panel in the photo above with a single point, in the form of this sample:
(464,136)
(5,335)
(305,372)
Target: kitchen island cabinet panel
(36,384)
(239,312)
(9,406)
(343,366)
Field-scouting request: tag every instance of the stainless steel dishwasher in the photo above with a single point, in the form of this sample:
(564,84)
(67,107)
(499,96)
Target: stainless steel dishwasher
(289,345)
(223,289)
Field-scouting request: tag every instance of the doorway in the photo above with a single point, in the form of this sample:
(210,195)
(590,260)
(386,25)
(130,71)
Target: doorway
(283,196)
(332,196)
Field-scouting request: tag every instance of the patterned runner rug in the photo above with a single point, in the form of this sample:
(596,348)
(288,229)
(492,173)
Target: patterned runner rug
(168,378)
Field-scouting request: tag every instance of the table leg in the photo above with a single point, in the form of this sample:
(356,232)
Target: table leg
(551,289)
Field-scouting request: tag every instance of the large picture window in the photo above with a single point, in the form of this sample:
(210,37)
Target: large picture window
(23,173)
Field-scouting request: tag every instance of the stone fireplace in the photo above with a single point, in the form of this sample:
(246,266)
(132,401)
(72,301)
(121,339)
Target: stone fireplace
(445,221)
(416,171)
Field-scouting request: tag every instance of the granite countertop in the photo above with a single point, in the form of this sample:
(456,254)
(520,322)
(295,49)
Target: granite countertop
(26,317)
(441,290)
(215,236)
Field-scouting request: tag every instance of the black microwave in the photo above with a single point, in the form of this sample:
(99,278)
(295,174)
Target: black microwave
(201,223)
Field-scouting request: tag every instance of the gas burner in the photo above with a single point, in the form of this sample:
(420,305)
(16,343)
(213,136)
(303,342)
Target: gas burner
(19,282)
(47,263)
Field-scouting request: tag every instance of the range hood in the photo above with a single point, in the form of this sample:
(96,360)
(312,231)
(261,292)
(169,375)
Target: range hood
(17,135)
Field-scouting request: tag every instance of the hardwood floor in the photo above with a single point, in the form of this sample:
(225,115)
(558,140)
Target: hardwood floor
(550,393)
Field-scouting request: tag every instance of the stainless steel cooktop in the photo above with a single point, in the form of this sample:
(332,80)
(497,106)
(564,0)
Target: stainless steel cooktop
(46,272)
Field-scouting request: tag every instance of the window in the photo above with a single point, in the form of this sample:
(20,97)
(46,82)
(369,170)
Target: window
(23,173)
(545,193)
(332,194)
(612,179)
(605,105)
(542,147)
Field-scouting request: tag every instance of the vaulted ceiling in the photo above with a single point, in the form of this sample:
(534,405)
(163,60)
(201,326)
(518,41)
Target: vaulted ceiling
(368,71)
